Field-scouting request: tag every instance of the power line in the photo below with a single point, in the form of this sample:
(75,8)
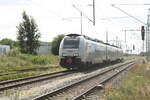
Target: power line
(50,11)
(103,13)
(108,18)
(129,14)
(137,4)
(82,13)
(69,18)
(132,30)
(93,21)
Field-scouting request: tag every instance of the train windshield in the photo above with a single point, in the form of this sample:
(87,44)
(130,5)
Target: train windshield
(71,43)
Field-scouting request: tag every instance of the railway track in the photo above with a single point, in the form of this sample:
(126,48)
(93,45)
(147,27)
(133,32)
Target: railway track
(4,85)
(27,70)
(82,86)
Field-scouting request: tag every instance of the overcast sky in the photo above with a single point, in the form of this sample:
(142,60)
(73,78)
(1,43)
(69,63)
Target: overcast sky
(50,15)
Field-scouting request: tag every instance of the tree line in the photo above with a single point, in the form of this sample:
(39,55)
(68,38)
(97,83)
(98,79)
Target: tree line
(28,36)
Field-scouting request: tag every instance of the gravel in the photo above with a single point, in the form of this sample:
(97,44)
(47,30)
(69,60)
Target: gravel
(30,91)
(114,83)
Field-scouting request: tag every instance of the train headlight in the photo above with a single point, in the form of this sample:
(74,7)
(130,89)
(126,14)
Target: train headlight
(76,54)
(64,54)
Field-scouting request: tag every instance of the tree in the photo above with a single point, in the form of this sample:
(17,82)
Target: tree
(9,42)
(55,44)
(28,35)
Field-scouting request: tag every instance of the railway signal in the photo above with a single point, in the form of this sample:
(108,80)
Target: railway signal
(143,33)
(133,47)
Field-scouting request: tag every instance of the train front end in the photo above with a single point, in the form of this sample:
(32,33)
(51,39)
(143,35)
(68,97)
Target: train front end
(69,52)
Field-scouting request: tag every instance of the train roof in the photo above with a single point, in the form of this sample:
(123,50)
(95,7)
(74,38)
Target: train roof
(89,38)
(73,34)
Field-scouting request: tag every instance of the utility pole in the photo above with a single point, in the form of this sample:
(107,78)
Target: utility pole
(125,31)
(81,23)
(93,12)
(106,36)
(143,45)
(148,35)
(106,45)
(116,40)
(126,35)
(82,14)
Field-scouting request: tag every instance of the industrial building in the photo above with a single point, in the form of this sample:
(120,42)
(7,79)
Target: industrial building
(45,48)
(4,49)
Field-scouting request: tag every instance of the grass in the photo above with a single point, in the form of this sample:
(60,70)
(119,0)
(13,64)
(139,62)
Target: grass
(37,59)
(16,75)
(131,57)
(14,60)
(136,87)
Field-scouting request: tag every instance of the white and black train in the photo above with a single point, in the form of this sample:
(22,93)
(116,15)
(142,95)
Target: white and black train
(78,51)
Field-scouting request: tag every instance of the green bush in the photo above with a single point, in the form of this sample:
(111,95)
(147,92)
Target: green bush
(9,42)
(11,61)
(14,52)
(39,59)
(55,44)
(17,58)
(35,59)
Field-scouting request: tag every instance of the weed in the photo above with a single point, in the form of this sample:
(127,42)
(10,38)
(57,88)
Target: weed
(14,60)
(136,87)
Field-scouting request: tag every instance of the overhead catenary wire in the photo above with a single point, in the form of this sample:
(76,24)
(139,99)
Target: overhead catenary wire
(129,14)
(82,13)
(107,18)
(135,4)
(50,11)
(70,18)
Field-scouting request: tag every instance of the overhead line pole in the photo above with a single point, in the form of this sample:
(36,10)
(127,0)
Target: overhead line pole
(129,30)
(81,23)
(93,12)
(82,13)
(126,34)
(148,35)
(106,44)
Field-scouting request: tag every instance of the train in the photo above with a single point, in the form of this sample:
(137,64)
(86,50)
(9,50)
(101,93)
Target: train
(79,51)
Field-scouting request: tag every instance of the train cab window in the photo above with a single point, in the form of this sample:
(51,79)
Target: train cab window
(71,43)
